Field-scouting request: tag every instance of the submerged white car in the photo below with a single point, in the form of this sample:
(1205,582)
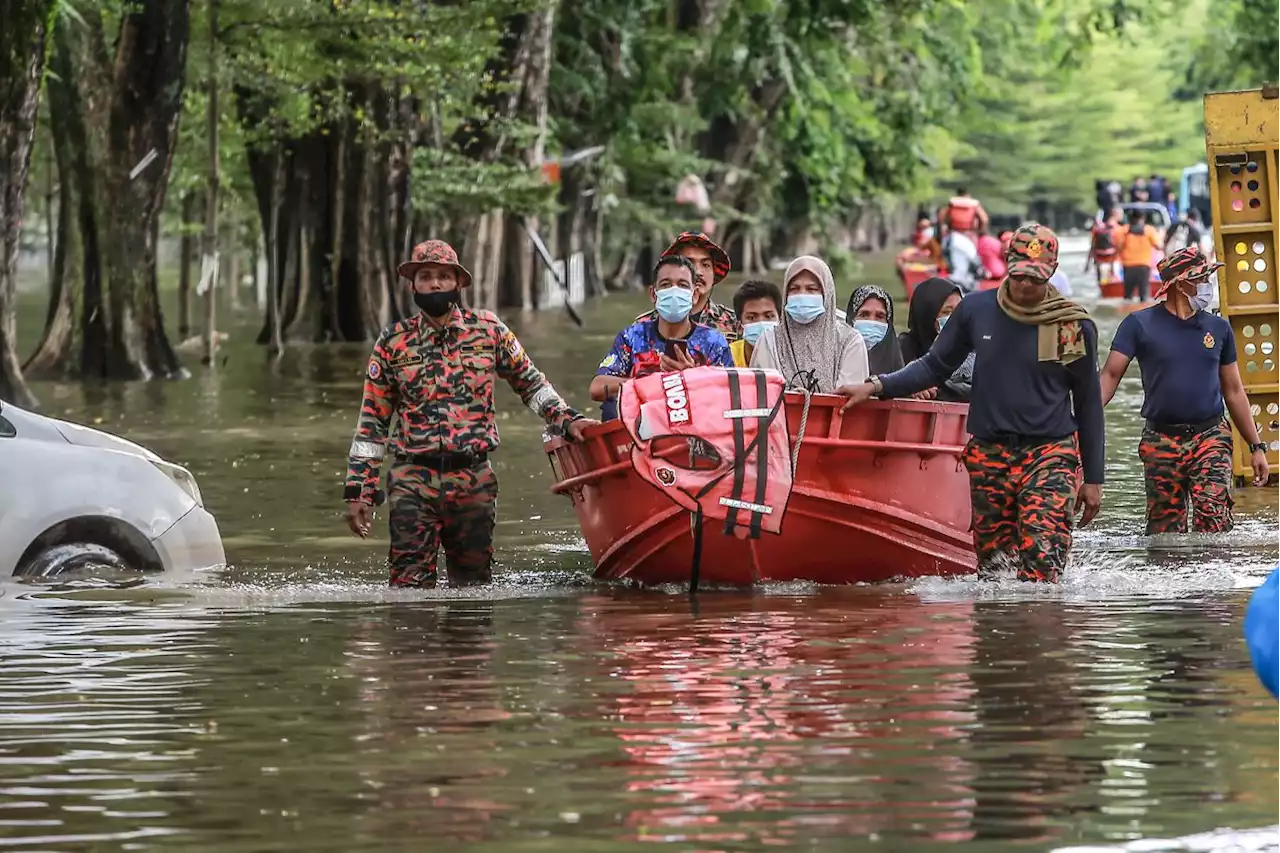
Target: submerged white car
(72,497)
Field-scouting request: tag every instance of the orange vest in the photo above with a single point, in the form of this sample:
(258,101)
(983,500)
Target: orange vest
(962,213)
(714,439)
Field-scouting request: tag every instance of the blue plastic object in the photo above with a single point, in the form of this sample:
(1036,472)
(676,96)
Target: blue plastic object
(1261,630)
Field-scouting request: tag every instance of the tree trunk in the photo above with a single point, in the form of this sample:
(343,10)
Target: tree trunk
(23,35)
(211,261)
(184,265)
(147,81)
(61,345)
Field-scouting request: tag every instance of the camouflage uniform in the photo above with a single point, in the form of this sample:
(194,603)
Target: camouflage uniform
(1023,493)
(1188,469)
(1022,503)
(439,385)
(1193,468)
(714,315)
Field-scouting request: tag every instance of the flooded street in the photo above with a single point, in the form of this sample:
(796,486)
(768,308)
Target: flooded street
(293,702)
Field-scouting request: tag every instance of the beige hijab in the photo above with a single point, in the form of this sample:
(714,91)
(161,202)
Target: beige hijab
(817,346)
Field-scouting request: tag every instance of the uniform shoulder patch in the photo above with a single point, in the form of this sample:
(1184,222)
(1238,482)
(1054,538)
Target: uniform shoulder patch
(375,369)
(609,360)
(511,344)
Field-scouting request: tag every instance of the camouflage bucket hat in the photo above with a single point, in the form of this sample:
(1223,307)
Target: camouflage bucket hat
(1189,264)
(719,257)
(1032,252)
(434,252)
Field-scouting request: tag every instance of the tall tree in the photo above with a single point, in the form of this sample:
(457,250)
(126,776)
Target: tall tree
(23,34)
(115,122)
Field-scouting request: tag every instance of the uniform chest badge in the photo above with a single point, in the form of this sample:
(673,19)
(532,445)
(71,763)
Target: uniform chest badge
(665,476)
(407,360)
(1208,341)
(375,370)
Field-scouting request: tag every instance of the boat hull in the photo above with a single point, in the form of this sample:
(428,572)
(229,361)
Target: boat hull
(879,493)
(915,274)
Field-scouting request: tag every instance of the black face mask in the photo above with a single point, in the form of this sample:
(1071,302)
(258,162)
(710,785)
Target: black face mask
(437,303)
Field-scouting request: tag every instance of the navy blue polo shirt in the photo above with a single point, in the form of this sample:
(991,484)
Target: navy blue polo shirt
(1180,360)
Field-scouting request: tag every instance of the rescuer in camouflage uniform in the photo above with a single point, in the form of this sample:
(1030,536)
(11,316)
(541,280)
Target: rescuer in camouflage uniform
(1189,372)
(710,266)
(435,372)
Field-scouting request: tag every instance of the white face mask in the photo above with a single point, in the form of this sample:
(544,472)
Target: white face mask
(1205,291)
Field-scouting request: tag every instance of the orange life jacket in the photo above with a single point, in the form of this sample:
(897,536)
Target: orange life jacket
(714,440)
(962,213)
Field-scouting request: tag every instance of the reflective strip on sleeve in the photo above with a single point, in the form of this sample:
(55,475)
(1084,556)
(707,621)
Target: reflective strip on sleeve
(545,396)
(367,449)
(747,505)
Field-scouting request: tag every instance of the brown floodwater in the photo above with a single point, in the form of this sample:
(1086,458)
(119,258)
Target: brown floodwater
(292,702)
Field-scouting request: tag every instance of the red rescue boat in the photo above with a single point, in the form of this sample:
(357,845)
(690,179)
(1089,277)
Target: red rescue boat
(877,493)
(913,274)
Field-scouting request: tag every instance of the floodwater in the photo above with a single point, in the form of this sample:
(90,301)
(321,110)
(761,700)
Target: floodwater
(292,702)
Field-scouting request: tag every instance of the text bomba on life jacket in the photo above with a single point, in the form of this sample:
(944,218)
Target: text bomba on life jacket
(962,213)
(715,442)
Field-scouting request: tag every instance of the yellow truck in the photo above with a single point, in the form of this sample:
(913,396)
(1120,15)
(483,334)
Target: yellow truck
(1242,143)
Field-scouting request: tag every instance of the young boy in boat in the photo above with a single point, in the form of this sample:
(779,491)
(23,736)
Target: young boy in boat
(758,305)
(669,340)
(1189,369)
(433,373)
(1034,389)
(710,266)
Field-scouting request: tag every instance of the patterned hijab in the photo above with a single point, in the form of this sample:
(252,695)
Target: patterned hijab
(884,357)
(817,346)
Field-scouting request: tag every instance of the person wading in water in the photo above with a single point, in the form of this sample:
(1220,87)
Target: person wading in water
(434,373)
(1188,361)
(1035,387)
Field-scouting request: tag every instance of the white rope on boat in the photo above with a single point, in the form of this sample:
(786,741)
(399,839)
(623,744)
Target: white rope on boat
(804,423)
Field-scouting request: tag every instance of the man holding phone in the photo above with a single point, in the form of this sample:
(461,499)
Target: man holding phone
(666,341)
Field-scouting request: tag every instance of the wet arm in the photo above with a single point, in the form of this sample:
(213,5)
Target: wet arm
(1112,372)
(1237,401)
(369,446)
(943,358)
(1086,395)
(613,371)
(515,366)
(1123,349)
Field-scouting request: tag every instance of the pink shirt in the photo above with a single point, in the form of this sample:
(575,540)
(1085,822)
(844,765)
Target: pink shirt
(991,253)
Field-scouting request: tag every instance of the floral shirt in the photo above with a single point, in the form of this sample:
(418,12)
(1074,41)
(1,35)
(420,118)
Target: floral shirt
(637,349)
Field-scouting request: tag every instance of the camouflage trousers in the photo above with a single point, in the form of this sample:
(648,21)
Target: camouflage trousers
(1023,496)
(429,509)
(1188,471)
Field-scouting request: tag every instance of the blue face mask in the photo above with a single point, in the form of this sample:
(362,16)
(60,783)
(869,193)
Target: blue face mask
(751,332)
(942,321)
(674,304)
(872,331)
(1204,293)
(804,308)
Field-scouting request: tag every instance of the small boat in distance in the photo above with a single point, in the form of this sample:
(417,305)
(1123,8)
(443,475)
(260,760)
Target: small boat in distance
(878,493)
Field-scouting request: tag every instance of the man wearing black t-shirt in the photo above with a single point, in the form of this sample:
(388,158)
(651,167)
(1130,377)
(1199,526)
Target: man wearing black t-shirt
(1034,412)
(1188,361)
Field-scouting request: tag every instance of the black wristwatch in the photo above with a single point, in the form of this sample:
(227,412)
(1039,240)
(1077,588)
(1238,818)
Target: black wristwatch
(1259,446)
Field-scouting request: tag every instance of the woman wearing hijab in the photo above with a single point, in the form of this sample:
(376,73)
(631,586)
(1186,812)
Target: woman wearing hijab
(870,312)
(811,347)
(931,305)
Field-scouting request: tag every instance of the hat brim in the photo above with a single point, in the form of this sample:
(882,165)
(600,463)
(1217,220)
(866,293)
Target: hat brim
(719,257)
(1032,269)
(1163,287)
(409,269)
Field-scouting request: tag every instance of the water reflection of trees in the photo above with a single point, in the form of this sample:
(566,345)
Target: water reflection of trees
(772,720)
